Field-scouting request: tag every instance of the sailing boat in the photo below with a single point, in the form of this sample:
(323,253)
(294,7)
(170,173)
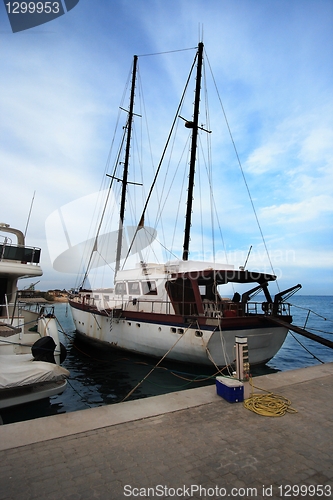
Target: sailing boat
(176,308)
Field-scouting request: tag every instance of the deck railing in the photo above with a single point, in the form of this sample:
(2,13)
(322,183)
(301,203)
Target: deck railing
(211,309)
(27,255)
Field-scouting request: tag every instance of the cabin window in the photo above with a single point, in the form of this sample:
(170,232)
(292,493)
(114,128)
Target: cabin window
(133,288)
(120,288)
(96,296)
(106,297)
(149,288)
(202,290)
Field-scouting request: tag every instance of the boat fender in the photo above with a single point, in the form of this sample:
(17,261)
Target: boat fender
(43,350)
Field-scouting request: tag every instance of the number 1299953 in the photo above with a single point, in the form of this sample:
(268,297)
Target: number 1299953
(33,7)
(309,490)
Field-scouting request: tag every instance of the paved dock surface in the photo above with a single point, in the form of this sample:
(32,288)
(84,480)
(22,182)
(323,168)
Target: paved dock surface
(191,444)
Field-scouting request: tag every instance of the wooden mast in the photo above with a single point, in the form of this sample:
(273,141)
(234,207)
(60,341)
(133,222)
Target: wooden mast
(126,164)
(194,126)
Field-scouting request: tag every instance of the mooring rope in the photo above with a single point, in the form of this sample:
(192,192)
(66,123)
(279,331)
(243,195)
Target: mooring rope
(268,405)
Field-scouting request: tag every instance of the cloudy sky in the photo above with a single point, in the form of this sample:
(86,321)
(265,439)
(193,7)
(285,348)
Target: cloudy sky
(61,85)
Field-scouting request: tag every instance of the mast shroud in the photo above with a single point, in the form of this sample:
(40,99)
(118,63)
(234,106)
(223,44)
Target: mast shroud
(194,126)
(126,164)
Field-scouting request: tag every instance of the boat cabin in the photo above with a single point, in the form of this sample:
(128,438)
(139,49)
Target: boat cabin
(183,289)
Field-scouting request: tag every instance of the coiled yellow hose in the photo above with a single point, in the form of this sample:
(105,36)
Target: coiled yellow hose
(268,405)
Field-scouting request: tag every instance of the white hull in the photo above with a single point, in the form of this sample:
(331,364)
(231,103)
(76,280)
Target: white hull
(31,394)
(192,345)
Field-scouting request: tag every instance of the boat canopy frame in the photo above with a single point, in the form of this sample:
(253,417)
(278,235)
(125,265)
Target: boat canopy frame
(221,277)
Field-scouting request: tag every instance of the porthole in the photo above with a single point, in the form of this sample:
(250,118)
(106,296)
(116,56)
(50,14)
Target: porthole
(138,325)
(173,330)
(180,330)
(198,333)
(129,323)
(159,329)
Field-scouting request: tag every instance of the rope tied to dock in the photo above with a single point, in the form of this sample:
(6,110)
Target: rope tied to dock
(269,404)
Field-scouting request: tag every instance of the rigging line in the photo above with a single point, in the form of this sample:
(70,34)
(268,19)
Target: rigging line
(143,128)
(158,218)
(101,218)
(161,160)
(226,367)
(159,362)
(210,357)
(105,170)
(210,178)
(166,52)
(307,350)
(116,125)
(104,210)
(200,203)
(209,166)
(137,138)
(242,172)
(32,202)
(160,243)
(313,312)
(223,346)
(144,114)
(83,398)
(210,182)
(159,214)
(104,260)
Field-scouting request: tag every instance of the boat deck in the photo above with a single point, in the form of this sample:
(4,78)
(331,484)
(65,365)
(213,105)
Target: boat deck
(190,439)
(8,330)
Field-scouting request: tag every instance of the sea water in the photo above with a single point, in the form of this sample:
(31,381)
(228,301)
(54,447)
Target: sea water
(101,379)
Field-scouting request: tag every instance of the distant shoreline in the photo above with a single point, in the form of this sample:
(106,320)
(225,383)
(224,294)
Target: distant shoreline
(42,300)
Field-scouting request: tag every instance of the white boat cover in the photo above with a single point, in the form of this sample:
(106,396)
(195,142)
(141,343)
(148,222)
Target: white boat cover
(17,370)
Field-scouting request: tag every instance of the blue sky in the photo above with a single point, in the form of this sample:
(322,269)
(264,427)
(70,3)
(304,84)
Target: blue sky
(61,85)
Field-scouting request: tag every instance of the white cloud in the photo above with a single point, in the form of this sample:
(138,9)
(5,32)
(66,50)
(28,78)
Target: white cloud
(265,157)
(303,211)
(317,147)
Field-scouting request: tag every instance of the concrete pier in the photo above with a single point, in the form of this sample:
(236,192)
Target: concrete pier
(190,444)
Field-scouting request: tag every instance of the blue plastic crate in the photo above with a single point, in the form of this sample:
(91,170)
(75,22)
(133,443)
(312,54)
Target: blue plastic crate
(231,390)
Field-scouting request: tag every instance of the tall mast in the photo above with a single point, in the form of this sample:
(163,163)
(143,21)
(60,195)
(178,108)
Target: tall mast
(194,126)
(126,164)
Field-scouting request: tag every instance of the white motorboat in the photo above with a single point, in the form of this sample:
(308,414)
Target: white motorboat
(30,350)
